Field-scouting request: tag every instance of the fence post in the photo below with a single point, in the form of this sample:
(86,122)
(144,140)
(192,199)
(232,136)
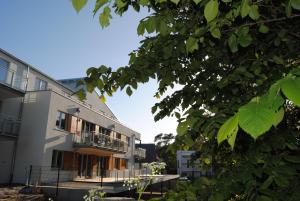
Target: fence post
(57,183)
(29,176)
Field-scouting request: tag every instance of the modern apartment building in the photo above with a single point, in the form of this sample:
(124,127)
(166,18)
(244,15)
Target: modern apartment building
(186,166)
(43,123)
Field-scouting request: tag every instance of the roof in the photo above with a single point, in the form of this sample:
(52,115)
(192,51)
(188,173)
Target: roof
(33,68)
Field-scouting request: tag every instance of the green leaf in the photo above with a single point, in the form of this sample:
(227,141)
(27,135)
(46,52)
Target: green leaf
(263,29)
(253,13)
(154,109)
(281,181)
(256,118)
(99,4)
(128,91)
(291,89)
(228,129)
(263,198)
(267,183)
(197,1)
(245,8)
(211,10)
(232,43)
(120,4)
(182,127)
(163,28)
(81,94)
(175,1)
(295,4)
(102,98)
(78,4)
(102,69)
(192,44)
(141,28)
(288,8)
(245,40)
(104,17)
(150,24)
(144,2)
(292,159)
(278,117)
(215,32)
(134,84)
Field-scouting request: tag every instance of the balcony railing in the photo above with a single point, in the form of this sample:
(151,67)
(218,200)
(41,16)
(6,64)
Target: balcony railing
(100,141)
(9,126)
(140,152)
(10,78)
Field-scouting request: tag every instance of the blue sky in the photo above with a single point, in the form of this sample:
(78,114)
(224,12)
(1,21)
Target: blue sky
(52,37)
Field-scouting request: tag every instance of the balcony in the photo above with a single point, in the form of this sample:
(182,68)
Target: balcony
(140,153)
(9,126)
(12,85)
(100,141)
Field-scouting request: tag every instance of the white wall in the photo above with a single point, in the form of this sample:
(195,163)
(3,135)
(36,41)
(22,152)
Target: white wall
(30,146)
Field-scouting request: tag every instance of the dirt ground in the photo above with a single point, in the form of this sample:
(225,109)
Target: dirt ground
(12,194)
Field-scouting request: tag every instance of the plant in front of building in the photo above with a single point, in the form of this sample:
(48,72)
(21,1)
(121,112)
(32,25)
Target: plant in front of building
(156,167)
(94,194)
(138,183)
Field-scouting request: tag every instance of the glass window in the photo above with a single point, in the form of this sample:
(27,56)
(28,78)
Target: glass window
(117,163)
(119,136)
(3,70)
(57,159)
(40,84)
(61,120)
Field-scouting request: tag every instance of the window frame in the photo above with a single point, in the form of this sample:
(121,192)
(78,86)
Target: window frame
(38,86)
(59,120)
(56,154)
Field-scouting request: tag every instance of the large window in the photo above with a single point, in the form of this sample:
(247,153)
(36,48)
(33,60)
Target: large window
(57,159)
(3,70)
(61,120)
(40,84)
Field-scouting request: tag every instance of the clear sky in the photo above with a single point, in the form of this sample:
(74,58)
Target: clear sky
(52,37)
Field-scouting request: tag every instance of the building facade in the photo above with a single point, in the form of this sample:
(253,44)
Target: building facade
(44,124)
(186,166)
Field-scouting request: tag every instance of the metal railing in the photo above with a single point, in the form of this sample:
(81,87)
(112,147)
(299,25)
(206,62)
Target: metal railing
(140,152)
(9,126)
(10,78)
(41,175)
(100,141)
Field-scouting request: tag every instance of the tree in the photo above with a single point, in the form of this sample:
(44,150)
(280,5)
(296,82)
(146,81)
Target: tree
(164,151)
(238,64)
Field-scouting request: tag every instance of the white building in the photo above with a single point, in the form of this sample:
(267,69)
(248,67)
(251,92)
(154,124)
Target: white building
(188,167)
(43,123)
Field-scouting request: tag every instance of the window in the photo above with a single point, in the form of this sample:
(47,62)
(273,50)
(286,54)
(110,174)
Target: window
(119,136)
(117,163)
(3,70)
(61,120)
(40,84)
(57,159)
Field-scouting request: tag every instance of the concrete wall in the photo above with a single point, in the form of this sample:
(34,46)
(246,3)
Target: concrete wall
(6,155)
(30,146)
